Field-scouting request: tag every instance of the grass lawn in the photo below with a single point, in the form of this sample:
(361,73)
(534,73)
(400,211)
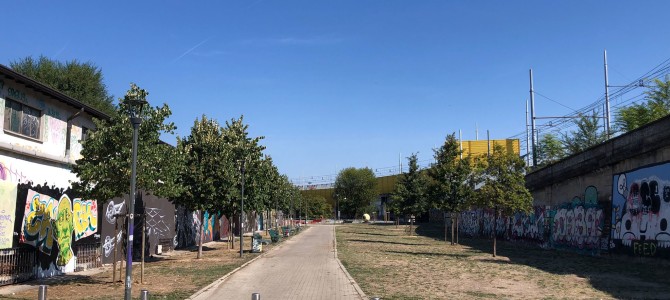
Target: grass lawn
(389,263)
(176,276)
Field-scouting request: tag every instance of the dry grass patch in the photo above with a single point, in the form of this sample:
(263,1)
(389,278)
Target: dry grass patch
(174,276)
(388,263)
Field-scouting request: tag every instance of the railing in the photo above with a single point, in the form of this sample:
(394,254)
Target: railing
(17,265)
(88,257)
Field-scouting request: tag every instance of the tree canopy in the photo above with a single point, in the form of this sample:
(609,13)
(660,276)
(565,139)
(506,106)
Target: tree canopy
(355,189)
(410,194)
(589,133)
(504,188)
(80,80)
(105,167)
(549,150)
(657,106)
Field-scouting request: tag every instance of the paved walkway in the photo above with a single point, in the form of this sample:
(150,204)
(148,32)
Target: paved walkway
(304,267)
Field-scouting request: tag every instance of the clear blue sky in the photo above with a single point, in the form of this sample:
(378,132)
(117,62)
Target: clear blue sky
(334,84)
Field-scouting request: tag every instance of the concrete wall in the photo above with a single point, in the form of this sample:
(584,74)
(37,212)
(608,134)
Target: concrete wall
(611,198)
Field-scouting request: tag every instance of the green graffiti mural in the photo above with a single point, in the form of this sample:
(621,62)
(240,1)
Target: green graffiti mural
(64,228)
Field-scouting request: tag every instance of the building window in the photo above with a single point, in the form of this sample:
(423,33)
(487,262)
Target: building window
(84,133)
(22,119)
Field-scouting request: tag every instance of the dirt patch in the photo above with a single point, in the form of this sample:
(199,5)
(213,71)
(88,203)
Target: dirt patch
(176,275)
(388,263)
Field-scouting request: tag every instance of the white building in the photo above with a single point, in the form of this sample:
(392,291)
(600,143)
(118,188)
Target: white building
(42,131)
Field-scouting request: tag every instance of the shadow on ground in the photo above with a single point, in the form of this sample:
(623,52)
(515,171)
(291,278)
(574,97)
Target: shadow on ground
(623,277)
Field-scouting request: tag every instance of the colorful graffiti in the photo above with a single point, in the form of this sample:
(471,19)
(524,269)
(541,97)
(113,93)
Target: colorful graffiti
(480,222)
(63,230)
(85,218)
(47,221)
(641,211)
(529,226)
(578,224)
(37,225)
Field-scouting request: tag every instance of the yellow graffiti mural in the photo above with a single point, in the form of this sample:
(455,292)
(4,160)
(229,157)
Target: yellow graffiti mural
(63,231)
(85,218)
(37,225)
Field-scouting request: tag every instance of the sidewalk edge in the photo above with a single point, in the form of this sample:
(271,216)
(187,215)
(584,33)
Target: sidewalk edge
(351,279)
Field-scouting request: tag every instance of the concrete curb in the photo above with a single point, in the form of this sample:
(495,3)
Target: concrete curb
(351,279)
(222,279)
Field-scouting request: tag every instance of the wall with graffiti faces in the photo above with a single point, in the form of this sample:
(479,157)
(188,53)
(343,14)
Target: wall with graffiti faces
(641,211)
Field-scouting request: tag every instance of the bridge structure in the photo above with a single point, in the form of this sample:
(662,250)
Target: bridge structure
(387,178)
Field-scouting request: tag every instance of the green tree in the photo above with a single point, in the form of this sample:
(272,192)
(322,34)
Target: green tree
(207,168)
(105,167)
(81,81)
(549,150)
(356,189)
(450,188)
(656,107)
(246,152)
(504,188)
(411,190)
(316,206)
(588,134)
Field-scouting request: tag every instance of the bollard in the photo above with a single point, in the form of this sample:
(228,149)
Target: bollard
(256,296)
(144,295)
(42,293)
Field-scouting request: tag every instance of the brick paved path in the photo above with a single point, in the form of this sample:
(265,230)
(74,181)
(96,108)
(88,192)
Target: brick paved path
(303,267)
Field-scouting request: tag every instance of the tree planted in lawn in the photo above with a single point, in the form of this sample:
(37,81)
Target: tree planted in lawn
(450,189)
(410,194)
(504,188)
(356,189)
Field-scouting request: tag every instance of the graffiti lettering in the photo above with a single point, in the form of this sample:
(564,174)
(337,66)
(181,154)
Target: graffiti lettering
(17,95)
(644,248)
(85,218)
(112,210)
(37,225)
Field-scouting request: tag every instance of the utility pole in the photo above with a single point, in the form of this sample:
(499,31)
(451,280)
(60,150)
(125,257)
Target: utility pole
(527,138)
(532,119)
(607,99)
(242,212)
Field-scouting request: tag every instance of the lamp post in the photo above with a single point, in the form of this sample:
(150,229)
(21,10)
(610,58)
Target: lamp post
(135,104)
(242,209)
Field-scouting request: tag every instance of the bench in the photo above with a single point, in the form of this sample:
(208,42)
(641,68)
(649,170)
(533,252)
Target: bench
(274,236)
(259,237)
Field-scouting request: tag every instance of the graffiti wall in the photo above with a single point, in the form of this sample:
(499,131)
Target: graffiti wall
(112,225)
(579,224)
(576,225)
(481,223)
(160,222)
(641,211)
(52,224)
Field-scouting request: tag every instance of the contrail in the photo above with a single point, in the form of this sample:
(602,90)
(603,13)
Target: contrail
(190,50)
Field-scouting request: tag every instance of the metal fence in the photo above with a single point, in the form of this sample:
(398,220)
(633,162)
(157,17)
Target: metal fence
(88,257)
(17,265)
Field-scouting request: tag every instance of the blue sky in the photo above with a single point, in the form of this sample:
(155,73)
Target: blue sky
(334,84)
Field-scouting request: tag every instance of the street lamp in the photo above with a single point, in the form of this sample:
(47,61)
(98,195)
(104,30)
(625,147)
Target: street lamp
(241,208)
(136,103)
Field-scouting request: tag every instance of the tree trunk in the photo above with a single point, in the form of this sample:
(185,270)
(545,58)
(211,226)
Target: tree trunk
(202,228)
(457,217)
(452,228)
(495,230)
(445,226)
(411,224)
(231,234)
